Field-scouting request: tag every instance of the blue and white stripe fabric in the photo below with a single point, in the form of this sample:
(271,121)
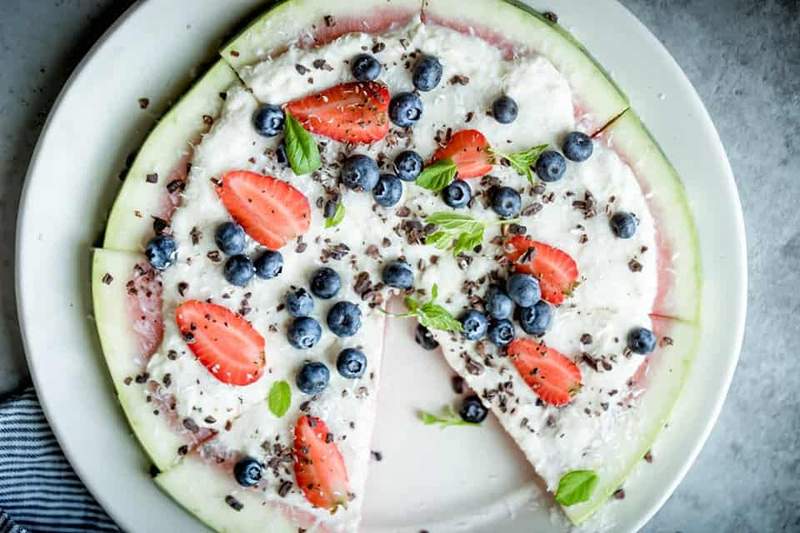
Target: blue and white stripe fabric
(38,489)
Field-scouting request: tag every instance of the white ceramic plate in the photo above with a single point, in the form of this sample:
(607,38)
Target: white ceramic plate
(429,479)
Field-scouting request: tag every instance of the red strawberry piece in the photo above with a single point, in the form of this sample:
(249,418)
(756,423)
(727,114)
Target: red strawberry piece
(356,112)
(470,151)
(318,466)
(557,271)
(270,210)
(552,376)
(224,342)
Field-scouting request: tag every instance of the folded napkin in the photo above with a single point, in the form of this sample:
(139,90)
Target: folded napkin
(39,491)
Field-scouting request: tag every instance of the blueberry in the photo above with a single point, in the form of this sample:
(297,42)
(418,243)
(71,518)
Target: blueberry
(299,303)
(388,190)
(229,238)
(641,341)
(344,319)
(325,283)
(313,378)
(239,270)
(424,338)
(351,363)
(405,109)
(536,319)
(505,110)
(398,274)
(472,410)
(304,333)
(523,289)
(408,165)
(506,202)
(500,332)
(457,194)
(360,173)
(269,264)
(365,67)
(268,120)
(577,146)
(550,166)
(427,73)
(497,302)
(248,471)
(161,251)
(624,224)
(474,324)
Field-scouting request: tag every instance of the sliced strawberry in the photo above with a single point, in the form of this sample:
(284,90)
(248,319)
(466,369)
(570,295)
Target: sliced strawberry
(356,112)
(224,342)
(469,150)
(318,466)
(270,210)
(557,271)
(553,377)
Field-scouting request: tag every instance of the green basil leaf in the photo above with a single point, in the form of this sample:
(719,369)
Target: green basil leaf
(280,398)
(576,486)
(437,176)
(337,217)
(301,148)
(434,316)
(448,418)
(523,161)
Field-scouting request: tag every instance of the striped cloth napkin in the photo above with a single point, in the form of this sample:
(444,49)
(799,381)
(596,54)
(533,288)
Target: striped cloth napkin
(38,489)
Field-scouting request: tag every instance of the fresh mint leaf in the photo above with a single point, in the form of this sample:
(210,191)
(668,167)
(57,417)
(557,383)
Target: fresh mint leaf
(430,314)
(522,161)
(280,398)
(447,418)
(576,486)
(437,176)
(337,217)
(462,233)
(301,148)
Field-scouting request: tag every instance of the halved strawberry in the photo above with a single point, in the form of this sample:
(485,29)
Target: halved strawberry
(552,376)
(557,271)
(270,210)
(469,150)
(356,112)
(318,466)
(224,342)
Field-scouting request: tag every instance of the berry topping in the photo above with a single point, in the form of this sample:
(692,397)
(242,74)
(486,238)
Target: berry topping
(388,190)
(474,324)
(299,303)
(427,73)
(351,363)
(248,471)
(313,378)
(523,289)
(497,302)
(505,110)
(641,341)
(318,466)
(161,251)
(424,338)
(398,274)
(405,109)
(550,166)
(270,210)
(360,173)
(472,410)
(577,146)
(470,152)
(325,283)
(500,332)
(344,319)
(457,194)
(239,270)
(269,264)
(223,342)
(304,333)
(553,377)
(351,112)
(624,224)
(365,67)
(556,271)
(268,120)
(506,202)
(408,165)
(536,319)
(229,238)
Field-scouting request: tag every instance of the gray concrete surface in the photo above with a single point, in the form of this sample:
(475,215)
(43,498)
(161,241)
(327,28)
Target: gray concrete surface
(744,59)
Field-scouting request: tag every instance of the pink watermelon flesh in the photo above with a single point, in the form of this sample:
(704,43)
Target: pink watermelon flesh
(381,20)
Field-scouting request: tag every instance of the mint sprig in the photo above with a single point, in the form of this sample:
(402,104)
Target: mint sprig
(522,161)
(460,232)
(337,217)
(429,314)
(575,487)
(301,148)
(447,418)
(280,398)
(438,175)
